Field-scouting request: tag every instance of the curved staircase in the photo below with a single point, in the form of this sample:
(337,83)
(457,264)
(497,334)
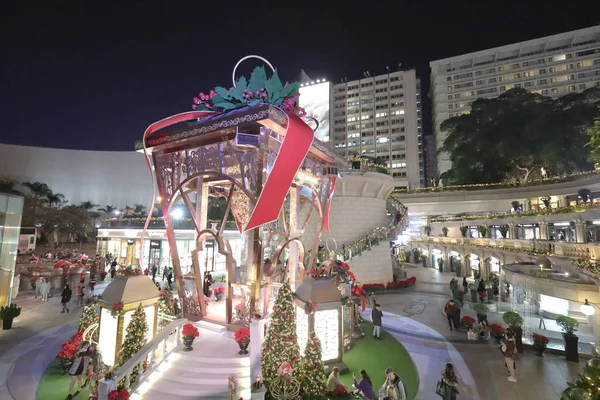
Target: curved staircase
(201,373)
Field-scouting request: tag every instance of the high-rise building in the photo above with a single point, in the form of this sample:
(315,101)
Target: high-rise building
(380,117)
(552,66)
(429,158)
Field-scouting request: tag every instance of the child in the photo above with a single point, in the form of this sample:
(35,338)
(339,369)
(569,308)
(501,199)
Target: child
(471,335)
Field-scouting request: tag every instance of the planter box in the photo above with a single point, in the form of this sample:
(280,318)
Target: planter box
(571,347)
(474,296)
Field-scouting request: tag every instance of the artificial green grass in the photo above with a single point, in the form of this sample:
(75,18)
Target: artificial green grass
(54,386)
(374,356)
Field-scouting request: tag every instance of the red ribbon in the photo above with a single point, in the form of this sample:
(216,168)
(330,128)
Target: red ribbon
(296,144)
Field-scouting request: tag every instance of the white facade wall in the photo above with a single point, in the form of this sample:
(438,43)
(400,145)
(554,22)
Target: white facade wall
(381,117)
(552,66)
(116,178)
(358,207)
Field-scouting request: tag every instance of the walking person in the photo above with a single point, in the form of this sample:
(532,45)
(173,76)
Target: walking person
(450,382)
(170,276)
(65,297)
(465,285)
(450,311)
(376,316)
(154,270)
(79,365)
(508,348)
(393,380)
(92,282)
(79,293)
(38,286)
(45,290)
(113,269)
(365,386)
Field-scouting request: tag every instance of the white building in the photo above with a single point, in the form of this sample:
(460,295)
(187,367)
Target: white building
(380,116)
(552,66)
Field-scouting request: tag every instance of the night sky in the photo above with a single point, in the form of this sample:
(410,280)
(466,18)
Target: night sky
(81,76)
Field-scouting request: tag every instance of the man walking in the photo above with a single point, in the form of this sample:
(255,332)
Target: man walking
(376,316)
(450,311)
(154,270)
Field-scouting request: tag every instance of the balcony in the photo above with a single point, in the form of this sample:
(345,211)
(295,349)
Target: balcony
(156,223)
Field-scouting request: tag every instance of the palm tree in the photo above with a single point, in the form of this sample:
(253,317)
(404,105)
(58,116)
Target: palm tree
(88,205)
(108,209)
(38,195)
(55,199)
(139,210)
(128,212)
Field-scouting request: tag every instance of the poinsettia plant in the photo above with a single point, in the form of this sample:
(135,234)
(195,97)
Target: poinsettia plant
(258,89)
(122,394)
(466,320)
(189,331)
(309,307)
(540,339)
(497,330)
(242,334)
(116,309)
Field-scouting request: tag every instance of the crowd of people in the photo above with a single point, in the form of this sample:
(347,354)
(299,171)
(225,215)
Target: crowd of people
(392,388)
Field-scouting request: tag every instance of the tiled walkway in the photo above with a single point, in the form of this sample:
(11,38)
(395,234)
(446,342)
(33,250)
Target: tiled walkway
(415,318)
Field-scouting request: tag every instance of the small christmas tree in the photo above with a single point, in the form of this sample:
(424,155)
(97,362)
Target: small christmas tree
(88,318)
(166,305)
(586,384)
(281,344)
(135,338)
(312,374)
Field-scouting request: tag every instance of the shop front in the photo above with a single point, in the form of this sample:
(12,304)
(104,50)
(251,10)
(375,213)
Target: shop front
(124,245)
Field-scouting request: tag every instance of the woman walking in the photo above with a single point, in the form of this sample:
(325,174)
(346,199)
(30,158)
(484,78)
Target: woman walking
(79,365)
(65,297)
(450,381)
(45,290)
(38,287)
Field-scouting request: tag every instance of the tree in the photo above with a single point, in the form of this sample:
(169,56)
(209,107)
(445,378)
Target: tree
(594,143)
(8,185)
(516,134)
(585,385)
(88,318)
(312,375)
(140,210)
(88,205)
(108,209)
(281,344)
(135,339)
(38,196)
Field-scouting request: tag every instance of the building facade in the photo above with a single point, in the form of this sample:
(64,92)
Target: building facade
(551,66)
(380,117)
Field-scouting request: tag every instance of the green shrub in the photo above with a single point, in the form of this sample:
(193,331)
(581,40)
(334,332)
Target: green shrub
(10,312)
(567,324)
(445,231)
(512,318)
(480,308)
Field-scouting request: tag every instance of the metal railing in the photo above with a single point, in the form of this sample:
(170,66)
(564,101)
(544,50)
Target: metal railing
(152,354)
(374,238)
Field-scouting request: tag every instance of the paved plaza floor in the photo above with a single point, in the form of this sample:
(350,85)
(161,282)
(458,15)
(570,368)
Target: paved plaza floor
(413,316)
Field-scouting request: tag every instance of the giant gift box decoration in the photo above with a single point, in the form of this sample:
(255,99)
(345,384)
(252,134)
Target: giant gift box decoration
(251,145)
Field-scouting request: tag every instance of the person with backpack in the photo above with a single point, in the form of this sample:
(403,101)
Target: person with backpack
(393,380)
(449,382)
(65,297)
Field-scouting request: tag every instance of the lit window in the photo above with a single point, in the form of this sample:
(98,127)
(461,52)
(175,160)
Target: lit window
(560,58)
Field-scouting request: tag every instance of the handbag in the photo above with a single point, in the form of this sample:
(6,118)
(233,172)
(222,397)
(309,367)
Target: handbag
(440,388)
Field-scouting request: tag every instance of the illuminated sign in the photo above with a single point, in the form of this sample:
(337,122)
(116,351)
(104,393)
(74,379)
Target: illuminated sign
(315,100)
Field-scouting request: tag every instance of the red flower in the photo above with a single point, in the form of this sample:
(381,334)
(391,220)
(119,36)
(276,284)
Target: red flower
(540,339)
(467,320)
(242,334)
(190,330)
(32,281)
(497,330)
(103,273)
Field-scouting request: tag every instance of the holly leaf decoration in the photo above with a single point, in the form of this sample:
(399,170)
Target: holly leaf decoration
(221,91)
(273,86)
(239,88)
(257,79)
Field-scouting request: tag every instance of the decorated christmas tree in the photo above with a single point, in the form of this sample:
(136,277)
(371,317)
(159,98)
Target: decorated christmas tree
(166,304)
(281,344)
(587,383)
(312,373)
(135,338)
(88,318)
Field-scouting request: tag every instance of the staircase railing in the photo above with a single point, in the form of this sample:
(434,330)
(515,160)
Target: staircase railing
(373,238)
(152,354)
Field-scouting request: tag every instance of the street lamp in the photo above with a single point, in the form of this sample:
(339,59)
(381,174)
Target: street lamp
(587,308)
